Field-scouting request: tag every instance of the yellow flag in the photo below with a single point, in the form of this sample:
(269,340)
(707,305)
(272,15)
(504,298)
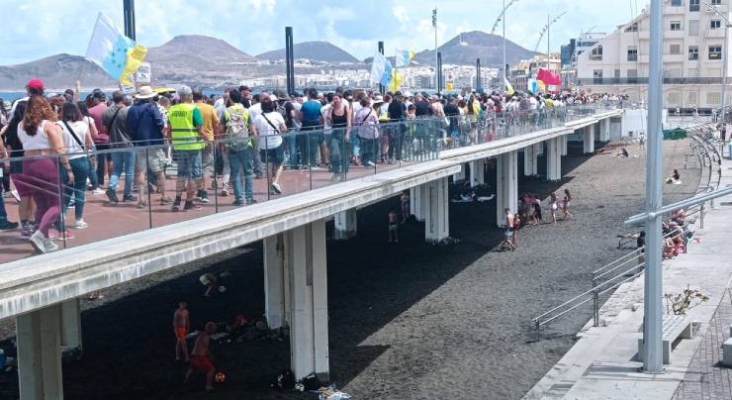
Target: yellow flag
(135,56)
(509,88)
(449,86)
(396,81)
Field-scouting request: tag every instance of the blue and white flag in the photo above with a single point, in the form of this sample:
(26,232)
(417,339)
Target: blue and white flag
(381,69)
(118,55)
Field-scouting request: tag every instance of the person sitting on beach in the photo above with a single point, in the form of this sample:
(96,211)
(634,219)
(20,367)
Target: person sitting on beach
(201,357)
(623,153)
(669,249)
(181,326)
(210,281)
(675,178)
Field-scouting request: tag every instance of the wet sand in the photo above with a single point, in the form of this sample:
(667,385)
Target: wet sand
(406,320)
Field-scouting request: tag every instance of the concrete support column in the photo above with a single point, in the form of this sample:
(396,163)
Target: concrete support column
(437,217)
(605,130)
(277,266)
(346,224)
(531,166)
(506,184)
(553,160)
(539,149)
(459,176)
(588,140)
(477,172)
(564,141)
(71,327)
(309,302)
(39,354)
(418,202)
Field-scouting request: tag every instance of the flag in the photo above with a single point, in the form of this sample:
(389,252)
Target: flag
(509,88)
(449,86)
(541,85)
(403,57)
(381,69)
(396,81)
(548,77)
(118,55)
(532,86)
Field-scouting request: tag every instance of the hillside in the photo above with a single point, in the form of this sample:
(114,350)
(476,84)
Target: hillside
(318,51)
(487,47)
(58,72)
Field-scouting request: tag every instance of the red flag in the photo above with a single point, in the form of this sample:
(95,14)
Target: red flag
(548,77)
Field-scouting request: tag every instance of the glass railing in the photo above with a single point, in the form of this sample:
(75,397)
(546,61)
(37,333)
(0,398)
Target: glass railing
(107,198)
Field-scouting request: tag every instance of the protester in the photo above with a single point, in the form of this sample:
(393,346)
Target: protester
(367,121)
(238,130)
(210,127)
(78,144)
(114,120)
(186,133)
(269,125)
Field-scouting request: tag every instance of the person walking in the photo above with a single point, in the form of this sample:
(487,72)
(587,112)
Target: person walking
(238,130)
(210,127)
(78,143)
(566,203)
(186,133)
(114,121)
(270,125)
(339,118)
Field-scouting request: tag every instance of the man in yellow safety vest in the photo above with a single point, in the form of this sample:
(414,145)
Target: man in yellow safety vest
(185,130)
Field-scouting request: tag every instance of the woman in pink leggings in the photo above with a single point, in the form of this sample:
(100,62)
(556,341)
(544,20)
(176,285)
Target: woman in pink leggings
(42,142)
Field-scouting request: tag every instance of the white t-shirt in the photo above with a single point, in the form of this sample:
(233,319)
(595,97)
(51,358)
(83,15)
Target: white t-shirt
(269,138)
(81,129)
(325,112)
(255,111)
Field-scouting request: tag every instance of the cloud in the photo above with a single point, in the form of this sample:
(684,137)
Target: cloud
(46,27)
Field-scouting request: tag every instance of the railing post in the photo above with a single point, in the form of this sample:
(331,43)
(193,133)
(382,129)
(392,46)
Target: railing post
(595,304)
(701,216)
(538,330)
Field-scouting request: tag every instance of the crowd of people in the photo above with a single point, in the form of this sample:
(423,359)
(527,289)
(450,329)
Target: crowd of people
(60,148)
(676,232)
(530,213)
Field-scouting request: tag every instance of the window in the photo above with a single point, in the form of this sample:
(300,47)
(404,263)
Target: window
(693,5)
(715,52)
(597,76)
(596,54)
(716,2)
(632,27)
(632,53)
(675,49)
(714,98)
(675,25)
(693,53)
(691,99)
(617,73)
(715,24)
(676,3)
(674,98)
(694,28)
(632,73)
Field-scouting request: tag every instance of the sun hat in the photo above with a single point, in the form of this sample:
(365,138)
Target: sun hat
(145,92)
(378,99)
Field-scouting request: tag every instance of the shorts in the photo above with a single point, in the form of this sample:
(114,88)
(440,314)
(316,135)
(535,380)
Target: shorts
(509,232)
(181,333)
(273,156)
(207,158)
(554,206)
(566,204)
(152,160)
(393,227)
(201,363)
(189,164)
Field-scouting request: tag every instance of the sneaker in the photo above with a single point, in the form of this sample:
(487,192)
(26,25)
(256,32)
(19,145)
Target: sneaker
(7,225)
(38,241)
(238,203)
(176,204)
(370,164)
(128,198)
(164,201)
(251,201)
(98,192)
(50,245)
(15,195)
(141,204)
(81,224)
(202,196)
(27,230)
(72,203)
(277,187)
(189,206)
(317,168)
(111,195)
(66,235)
(224,192)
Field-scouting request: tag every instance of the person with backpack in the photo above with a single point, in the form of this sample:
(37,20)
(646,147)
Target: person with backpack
(114,120)
(185,130)
(238,130)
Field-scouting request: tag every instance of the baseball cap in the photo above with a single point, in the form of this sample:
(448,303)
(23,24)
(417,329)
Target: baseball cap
(35,83)
(184,90)
(98,94)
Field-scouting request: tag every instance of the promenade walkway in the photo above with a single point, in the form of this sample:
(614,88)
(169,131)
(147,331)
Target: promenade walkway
(603,364)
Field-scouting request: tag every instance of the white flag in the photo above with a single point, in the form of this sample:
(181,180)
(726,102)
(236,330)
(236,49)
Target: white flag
(378,67)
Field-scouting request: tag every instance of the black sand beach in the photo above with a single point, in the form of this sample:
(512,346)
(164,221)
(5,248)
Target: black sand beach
(406,320)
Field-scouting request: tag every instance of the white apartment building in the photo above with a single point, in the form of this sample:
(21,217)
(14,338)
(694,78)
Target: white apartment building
(693,57)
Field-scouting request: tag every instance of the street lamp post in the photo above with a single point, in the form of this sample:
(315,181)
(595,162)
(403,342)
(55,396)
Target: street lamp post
(549,23)
(715,10)
(434,25)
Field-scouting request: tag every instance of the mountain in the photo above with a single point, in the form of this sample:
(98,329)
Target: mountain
(476,44)
(317,51)
(58,72)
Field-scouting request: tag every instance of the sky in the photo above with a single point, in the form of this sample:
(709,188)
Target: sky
(39,28)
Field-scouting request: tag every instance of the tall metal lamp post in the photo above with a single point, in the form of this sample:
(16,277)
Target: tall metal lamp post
(713,9)
(437,63)
(544,30)
(502,17)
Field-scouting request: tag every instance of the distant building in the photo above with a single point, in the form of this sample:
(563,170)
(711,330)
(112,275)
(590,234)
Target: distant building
(520,73)
(693,54)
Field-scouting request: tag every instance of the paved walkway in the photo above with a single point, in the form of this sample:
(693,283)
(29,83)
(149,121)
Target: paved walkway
(603,364)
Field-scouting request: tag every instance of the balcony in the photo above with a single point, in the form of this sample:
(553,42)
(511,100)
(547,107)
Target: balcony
(674,58)
(669,34)
(644,81)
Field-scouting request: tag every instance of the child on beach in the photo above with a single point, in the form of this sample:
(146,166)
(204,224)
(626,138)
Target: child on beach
(181,326)
(510,228)
(393,226)
(404,200)
(565,204)
(553,206)
(201,358)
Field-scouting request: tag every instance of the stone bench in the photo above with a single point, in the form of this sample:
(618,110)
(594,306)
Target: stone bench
(675,327)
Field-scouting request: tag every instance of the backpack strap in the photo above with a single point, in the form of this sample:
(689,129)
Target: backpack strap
(73,134)
(270,123)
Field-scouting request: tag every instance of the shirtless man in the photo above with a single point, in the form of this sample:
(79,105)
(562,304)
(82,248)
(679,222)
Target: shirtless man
(201,357)
(181,325)
(510,228)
